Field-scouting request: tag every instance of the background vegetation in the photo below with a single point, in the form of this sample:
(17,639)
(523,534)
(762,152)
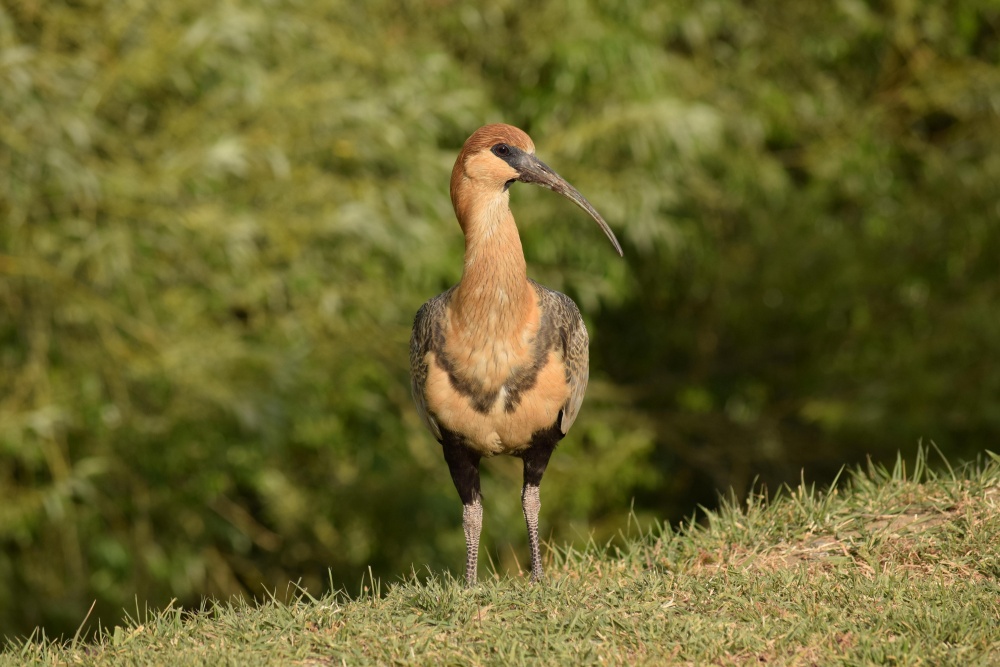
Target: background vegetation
(217,220)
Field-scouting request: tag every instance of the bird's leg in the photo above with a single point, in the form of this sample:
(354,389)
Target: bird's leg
(463,463)
(531,504)
(536,458)
(472,522)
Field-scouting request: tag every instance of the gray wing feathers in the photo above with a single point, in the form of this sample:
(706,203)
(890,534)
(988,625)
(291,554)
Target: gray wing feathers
(422,340)
(573,332)
(577,374)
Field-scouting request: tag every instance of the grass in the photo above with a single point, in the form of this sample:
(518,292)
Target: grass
(892,567)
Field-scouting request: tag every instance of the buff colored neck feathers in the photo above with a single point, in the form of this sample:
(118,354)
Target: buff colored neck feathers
(494,297)
(494,293)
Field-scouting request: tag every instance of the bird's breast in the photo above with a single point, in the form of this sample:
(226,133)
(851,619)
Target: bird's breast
(497,402)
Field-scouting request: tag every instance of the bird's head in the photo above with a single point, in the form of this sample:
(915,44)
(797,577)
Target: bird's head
(496,156)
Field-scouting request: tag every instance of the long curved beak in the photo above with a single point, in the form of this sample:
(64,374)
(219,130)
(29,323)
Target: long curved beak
(533,170)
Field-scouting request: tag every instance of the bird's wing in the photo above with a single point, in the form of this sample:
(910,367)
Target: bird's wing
(575,345)
(425,338)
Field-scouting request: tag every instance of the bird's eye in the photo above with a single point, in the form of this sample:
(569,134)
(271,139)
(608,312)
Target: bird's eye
(501,150)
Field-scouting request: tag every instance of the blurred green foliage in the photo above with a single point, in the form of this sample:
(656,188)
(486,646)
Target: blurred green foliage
(217,220)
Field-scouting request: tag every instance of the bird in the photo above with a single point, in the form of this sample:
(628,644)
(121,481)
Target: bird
(498,363)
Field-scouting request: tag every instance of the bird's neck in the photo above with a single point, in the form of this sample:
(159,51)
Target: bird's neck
(494,294)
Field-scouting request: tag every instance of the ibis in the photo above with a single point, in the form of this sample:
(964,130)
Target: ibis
(499,364)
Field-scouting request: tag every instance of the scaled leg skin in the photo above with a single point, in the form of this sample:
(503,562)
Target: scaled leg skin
(536,458)
(531,504)
(464,466)
(472,522)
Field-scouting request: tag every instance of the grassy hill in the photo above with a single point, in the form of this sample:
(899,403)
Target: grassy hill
(893,566)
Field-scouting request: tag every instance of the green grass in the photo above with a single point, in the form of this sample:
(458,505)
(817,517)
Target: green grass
(891,567)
